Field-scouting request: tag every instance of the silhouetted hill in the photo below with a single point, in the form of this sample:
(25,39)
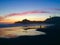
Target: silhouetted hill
(53,20)
(25,21)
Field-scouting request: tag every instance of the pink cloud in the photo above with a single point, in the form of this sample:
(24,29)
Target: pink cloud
(25,13)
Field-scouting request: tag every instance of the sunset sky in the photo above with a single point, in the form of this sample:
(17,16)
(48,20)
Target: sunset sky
(37,10)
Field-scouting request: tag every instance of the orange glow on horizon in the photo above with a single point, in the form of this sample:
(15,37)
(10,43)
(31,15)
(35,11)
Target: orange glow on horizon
(31,17)
(15,20)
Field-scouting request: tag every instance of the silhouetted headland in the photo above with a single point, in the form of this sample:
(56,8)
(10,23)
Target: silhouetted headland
(26,21)
(52,20)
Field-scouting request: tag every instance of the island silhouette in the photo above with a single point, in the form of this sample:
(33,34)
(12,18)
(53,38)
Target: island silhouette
(26,21)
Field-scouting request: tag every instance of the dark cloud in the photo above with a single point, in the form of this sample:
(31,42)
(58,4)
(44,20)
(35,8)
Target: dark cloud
(57,9)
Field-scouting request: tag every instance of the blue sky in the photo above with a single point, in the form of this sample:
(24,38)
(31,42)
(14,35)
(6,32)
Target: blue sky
(17,6)
(20,7)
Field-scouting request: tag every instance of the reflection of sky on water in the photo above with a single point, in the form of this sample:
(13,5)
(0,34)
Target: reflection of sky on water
(13,32)
(35,24)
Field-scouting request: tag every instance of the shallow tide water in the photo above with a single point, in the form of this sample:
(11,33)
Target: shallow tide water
(13,32)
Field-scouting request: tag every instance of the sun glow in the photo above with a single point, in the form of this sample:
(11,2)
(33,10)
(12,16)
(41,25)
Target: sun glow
(20,18)
(31,17)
